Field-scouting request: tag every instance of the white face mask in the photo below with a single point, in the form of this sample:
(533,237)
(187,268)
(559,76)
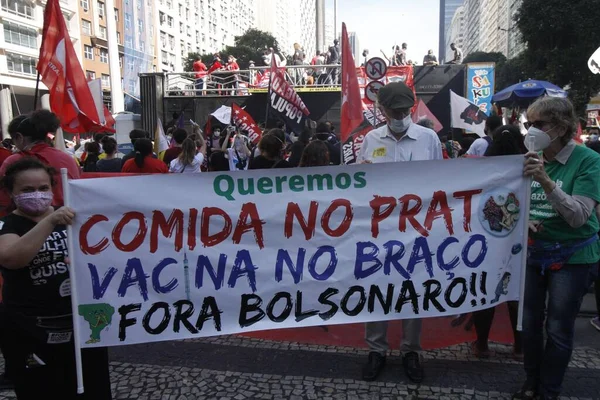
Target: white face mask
(538,140)
(400,125)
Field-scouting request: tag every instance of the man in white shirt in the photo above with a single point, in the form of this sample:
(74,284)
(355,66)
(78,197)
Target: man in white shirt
(480,146)
(399,140)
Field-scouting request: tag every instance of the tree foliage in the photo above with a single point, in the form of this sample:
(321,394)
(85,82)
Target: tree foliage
(560,38)
(247,47)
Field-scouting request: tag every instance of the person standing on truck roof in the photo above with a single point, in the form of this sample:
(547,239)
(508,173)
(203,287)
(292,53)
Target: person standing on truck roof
(479,146)
(458,54)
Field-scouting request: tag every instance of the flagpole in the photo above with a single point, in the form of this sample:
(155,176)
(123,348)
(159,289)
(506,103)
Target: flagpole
(37,91)
(268,101)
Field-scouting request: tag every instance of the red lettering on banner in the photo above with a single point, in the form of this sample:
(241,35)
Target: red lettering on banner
(206,238)
(346,221)
(308,227)
(192,228)
(380,214)
(467,196)
(255,224)
(83,236)
(139,236)
(439,200)
(173,225)
(409,213)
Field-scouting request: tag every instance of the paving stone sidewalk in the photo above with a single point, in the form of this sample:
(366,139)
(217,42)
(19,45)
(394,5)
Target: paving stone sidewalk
(239,368)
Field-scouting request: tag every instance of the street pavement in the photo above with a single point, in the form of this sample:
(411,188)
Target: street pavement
(238,367)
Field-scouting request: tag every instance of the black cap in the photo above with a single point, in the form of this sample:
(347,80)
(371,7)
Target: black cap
(396,95)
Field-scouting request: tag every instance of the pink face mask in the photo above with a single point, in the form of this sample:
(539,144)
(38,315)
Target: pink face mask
(34,203)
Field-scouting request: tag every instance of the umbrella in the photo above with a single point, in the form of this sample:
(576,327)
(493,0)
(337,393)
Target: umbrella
(524,93)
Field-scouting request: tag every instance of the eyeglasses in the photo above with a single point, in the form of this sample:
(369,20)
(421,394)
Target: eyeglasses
(536,124)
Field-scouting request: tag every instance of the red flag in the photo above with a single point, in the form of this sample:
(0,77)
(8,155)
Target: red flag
(59,68)
(244,121)
(422,112)
(351,114)
(578,138)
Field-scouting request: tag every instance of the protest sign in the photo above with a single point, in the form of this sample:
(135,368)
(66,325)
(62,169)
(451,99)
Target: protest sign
(179,256)
(480,85)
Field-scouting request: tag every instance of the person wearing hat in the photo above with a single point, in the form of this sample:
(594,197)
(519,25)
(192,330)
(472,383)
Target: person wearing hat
(399,140)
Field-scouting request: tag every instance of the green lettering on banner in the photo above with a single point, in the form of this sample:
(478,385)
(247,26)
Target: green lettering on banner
(265,186)
(226,186)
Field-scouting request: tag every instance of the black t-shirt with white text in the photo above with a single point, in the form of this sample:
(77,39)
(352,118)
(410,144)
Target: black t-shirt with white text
(43,287)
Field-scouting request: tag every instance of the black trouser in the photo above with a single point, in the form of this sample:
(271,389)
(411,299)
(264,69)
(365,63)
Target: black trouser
(29,349)
(483,324)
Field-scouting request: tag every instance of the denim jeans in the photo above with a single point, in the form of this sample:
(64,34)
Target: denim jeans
(565,288)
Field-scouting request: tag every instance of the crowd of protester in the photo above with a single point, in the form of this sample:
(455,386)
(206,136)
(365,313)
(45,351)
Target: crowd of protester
(564,250)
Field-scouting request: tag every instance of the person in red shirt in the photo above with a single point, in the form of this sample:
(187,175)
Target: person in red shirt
(29,134)
(200,70)
(217,65)
(143,162)
(5,151)
(232,81)
(170,154)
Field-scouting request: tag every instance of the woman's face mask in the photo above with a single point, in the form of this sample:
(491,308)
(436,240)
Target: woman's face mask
(537,139)
(33,203)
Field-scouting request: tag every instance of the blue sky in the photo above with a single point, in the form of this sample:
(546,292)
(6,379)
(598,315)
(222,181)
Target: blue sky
(380,24)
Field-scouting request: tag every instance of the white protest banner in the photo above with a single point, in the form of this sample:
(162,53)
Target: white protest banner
(168,257)
(466,115)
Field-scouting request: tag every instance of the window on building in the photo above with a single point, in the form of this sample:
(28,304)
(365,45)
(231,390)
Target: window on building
(130,64)
(139,4)
(180,10)
(181,28)
(22,65)
(90,75)
(170,22)
(117,14)
(88,52)
(119,38)
(105,80)
(86,27)
(101,9)
(18,7)
(142,46)
(102,34)
(164,57)
(20,35)
(140,26)
(120,61)
(131,86)
(161,17)
(128,42)
(169,4)
(127,21)
(104,56)
(85,4)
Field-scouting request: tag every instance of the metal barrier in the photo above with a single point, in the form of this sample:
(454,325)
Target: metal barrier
(304,78)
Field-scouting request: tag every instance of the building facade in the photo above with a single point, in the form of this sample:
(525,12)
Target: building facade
(515,40)
(355,47)
(203,26)
(447,10)
(20,41)
(94,42)
(456,32)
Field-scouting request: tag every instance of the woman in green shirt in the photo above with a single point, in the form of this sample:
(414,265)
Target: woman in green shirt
(563,243)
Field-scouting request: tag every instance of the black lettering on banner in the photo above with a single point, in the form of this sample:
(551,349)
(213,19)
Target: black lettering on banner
(324,299)
(431,295)
(287,310)
(125,322)
(164,322)
(182,317)
(302,315)
(408,294)
(209,310)
(461,297)
(250,303)
(386,304)
(361,301)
